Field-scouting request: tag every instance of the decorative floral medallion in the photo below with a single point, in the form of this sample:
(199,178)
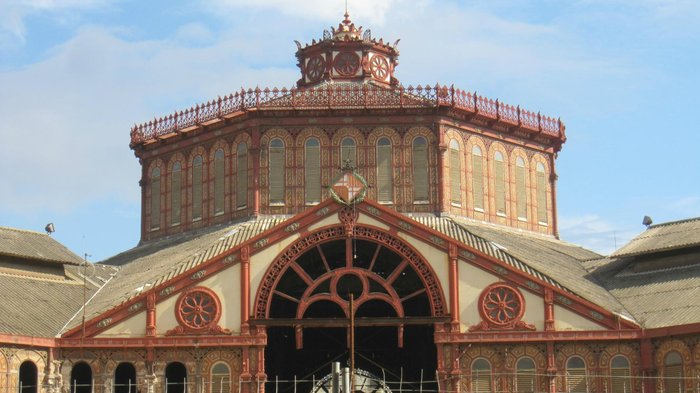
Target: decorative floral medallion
(198,311)
(501,307)
(315,68)
(379,67)
(347,63)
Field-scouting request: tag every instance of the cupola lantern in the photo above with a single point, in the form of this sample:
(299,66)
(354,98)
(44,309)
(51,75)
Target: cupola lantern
(347,54)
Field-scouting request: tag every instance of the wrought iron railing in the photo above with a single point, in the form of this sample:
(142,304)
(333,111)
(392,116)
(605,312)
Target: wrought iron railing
(349,96)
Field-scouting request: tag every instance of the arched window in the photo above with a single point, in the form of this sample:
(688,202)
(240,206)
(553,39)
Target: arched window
(481,376)
(421,186)
(155,199)
(242,175)
(385,175)
(576,375)
(455,173)
(28,378)
(197,188)
(176,378)
(312,171)
(541,193)
(525,381)
(620,375)
(125,378)
(673,373)
(348,153)
(220,378)
(499,169)
(520,189)
(219,182)
(81,378)
(176,193)
(276,172)
(478,178)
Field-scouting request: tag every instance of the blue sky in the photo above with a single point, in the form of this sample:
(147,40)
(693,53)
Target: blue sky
(75,75)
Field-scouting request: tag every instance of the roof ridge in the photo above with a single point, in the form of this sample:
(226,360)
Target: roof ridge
(683,221)
(23,230)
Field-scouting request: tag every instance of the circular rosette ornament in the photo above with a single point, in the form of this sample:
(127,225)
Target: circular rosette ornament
(501,307)
(198,309)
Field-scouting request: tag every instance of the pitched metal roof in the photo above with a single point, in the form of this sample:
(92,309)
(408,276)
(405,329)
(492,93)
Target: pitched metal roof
(40,306)
(24,244)
(153,263)
(656,298)
(663,237)
(554,261)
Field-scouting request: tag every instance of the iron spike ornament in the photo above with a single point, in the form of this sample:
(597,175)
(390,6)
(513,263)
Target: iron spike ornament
(349,187)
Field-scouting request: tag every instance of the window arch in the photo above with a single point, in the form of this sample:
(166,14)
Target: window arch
(242,175)
(348,152)
(478,178)
(455,173)
(520,189)
(197,178)
(421,186)
(125,378)
(28,378)
(385,175)
(276,171)
(576,375)
(312,171)
(541,193)
(481,376)
(176,378)
(81,378)
(673,373)
(220,378)
(175,193)
(525,377)
(499,169)
(620,375)
(219,174)
(155,199)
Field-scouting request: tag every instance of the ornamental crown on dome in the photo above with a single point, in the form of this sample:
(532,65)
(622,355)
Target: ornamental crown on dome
(347,54)
(346,30)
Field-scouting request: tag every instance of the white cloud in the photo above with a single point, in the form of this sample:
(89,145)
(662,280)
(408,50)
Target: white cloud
(366,11)
(595,233)
(13,12)
(66,120)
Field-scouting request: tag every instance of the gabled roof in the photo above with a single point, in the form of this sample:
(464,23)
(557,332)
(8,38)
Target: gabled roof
(36,246)
(553,260)
(150,264)
(163,265)
(663,237)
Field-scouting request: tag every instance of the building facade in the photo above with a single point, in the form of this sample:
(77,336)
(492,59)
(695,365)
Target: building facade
(408,231)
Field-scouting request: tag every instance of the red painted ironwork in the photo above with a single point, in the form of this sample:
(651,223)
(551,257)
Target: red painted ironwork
(315,68)
(501,307)
(379,67)
(350,96)
(198,310)
(347,63)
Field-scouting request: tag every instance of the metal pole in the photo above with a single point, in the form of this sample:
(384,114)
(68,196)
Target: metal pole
(421,380)
(346,380)
(335,377)
(401,380)
(352,344)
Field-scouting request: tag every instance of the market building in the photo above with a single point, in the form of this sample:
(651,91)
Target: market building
(412,227)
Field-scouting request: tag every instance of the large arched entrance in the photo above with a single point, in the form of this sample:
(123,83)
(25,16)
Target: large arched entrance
(305,303)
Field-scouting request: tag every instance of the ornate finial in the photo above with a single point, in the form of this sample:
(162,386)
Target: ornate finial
(346,30)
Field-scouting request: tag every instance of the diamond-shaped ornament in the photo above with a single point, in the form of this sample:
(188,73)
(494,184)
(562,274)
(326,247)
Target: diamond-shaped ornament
(349,187)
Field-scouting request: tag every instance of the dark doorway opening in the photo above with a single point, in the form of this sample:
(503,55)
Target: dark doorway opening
(81,378)
(125,378)
(28,378)
(317,286)
(176,378)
